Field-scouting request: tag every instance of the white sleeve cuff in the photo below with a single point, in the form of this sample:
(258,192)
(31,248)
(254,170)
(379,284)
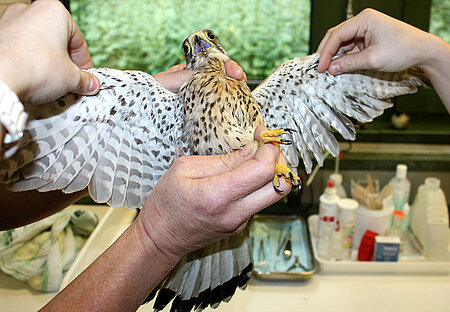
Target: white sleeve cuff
(12,115)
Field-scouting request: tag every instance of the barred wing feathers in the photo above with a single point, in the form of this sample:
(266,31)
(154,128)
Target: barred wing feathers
(296,96)
(117,143)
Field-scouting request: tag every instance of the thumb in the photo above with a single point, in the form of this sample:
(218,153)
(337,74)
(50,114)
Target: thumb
(235,71)
(206,166)
(350,62)
(173,78)
(88,84)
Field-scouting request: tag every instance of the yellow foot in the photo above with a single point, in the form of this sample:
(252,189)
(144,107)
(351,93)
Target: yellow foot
(282,170)
(270,136)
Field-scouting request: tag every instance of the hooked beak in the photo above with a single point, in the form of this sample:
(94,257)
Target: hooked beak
(201,45)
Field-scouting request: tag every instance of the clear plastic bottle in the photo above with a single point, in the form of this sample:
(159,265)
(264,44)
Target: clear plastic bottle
(400,187)
(396,229)
(337,178)
(328,212)
(335,248)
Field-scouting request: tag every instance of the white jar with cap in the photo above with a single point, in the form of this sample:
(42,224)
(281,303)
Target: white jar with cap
(347,219)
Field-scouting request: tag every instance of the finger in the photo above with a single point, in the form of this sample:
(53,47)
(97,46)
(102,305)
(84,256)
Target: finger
(259,129)
(173,80)
(88,84)
(78,49)
(205,166)
(177,67)
(325,39)
(260,199)
(235,71)
(341,35)
(350,62)
(324,61)
(249,176)
(346,47)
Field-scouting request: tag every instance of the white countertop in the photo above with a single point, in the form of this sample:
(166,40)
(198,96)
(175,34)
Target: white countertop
(322,292)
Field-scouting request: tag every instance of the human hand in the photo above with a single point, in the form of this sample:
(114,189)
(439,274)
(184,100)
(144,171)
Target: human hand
(173,78)
(202,199)
(42,51)
(379,41)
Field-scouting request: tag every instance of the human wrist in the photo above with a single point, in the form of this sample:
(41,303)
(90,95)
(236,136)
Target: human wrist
(433,51)
(156,242)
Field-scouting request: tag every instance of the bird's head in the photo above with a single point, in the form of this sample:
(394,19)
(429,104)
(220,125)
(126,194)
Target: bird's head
(201,45)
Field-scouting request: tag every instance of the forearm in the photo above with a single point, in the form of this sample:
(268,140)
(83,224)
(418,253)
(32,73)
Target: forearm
(120,279)
(20,208)
(437,66)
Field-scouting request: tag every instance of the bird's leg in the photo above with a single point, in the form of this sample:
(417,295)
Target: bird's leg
(270,136)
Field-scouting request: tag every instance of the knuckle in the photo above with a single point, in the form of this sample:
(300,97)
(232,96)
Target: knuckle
(14,7)
(373,60)
(181,164)
(349,64)
(49,5)
(367,12)
(226,160)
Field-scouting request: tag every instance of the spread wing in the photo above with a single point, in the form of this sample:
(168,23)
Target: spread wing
(117,143)
(296,96)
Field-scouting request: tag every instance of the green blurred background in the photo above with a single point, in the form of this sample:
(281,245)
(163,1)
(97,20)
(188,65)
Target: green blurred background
(258,34)
(147,35)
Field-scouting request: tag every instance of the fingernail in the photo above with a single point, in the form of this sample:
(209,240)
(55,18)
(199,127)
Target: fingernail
(92,85)
(250,148)
(335,68)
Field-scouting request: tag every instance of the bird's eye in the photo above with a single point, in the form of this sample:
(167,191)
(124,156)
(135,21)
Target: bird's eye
(210,35)
(186,48)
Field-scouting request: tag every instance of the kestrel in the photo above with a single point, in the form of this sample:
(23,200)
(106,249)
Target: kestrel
(120,142)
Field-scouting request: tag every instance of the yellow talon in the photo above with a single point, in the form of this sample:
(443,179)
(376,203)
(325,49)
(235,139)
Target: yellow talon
(282,170)
(270,136)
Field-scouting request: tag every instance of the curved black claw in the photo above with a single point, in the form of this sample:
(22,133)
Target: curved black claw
(296,185)
(291,177)
(277,189)
(287,142)
(289,130)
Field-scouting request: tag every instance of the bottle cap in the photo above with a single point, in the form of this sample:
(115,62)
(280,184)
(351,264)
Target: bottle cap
(336,177)
(330,190)
(348,204)
(401,171)
(432,183)
(399,214)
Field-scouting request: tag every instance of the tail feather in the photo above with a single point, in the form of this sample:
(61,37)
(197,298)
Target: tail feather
(207,277)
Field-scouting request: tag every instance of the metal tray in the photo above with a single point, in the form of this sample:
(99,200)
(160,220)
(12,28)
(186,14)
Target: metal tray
(281,248)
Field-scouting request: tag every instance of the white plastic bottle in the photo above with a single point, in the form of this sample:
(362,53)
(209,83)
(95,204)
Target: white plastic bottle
(347,219)
(430,221)
(400,187)
(337,178)
(328,212)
